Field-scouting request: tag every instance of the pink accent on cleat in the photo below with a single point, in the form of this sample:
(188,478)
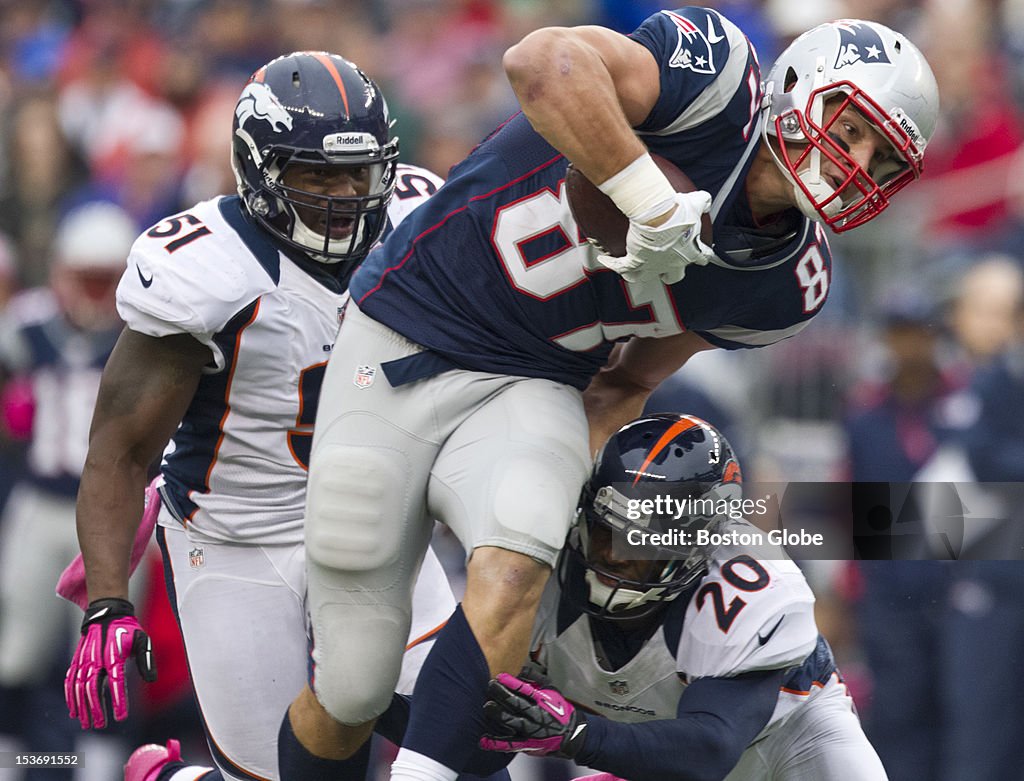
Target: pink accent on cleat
(147,761)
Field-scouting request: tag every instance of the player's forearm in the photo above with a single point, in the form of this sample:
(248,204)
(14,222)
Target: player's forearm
(618,392)
(109,507)
(670,750)
(612,400)
(716,720)
(566,91)
(147,385)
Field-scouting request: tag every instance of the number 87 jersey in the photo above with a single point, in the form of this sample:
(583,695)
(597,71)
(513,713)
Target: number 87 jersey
(236,467)
(493,272)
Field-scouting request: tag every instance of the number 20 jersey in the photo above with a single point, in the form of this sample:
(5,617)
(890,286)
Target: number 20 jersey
(747,614)
(493,274)
(236,467)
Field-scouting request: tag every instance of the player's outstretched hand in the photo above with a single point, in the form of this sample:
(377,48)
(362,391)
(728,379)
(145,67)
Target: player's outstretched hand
(666,250)
(95,685)
(528,719)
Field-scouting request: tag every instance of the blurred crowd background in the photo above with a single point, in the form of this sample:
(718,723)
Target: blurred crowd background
(915,369)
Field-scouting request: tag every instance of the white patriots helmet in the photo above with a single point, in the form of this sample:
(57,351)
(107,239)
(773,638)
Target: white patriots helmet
(90,252)
(885,78)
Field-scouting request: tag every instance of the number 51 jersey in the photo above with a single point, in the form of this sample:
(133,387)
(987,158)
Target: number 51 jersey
(236,467)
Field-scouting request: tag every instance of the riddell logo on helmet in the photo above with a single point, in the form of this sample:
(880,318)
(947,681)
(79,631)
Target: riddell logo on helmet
(908,127)
(910,130)
(341,141)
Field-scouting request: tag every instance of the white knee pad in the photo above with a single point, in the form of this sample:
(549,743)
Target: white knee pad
(356,506)
(357,654)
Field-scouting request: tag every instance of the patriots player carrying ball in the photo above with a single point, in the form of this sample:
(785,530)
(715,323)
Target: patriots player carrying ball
(699,665)
(457,388)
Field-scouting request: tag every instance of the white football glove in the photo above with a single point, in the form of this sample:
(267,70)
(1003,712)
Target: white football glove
(666,250)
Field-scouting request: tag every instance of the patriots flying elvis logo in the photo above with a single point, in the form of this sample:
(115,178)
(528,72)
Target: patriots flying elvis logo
(258,101)
(693,49)
(859,43)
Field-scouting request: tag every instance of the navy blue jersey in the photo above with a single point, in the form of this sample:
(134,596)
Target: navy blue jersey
(493,273)
(62,366)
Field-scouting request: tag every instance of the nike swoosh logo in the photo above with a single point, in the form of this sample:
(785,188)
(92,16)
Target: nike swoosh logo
(145,282)
(762,639)
(121,632)
(713,37)
(558,710)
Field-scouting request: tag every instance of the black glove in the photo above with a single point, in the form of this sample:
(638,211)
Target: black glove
(531,719)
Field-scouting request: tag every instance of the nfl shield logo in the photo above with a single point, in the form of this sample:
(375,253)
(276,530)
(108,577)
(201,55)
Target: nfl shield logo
(364,376)
(195,558)
(619,687)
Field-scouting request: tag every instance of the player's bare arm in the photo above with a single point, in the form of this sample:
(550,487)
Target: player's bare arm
(583,89)
(146,388)
(618,392)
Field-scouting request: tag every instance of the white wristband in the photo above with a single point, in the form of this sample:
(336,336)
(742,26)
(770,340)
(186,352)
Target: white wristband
(640,190)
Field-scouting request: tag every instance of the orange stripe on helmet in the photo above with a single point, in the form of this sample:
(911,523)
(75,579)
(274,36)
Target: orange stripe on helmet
(259,75)
(674,430)
(732,473)
(326,61)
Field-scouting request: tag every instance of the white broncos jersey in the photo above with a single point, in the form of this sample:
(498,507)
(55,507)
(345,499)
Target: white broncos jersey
(236,467)
(749,613)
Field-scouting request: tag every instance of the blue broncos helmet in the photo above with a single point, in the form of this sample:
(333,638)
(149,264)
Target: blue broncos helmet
(313,108)
(680,456)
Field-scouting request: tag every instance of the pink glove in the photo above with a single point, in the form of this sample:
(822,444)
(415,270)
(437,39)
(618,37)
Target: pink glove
(71,585)
(18,408)
(600,777)
(95,682)
(531,719)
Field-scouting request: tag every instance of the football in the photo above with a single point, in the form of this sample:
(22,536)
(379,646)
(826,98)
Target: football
(600,220)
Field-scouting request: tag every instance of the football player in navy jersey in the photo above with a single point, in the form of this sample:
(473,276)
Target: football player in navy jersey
(457,388)
(697,662)
(231,310)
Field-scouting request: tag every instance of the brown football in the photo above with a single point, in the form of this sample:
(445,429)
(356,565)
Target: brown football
(600,220)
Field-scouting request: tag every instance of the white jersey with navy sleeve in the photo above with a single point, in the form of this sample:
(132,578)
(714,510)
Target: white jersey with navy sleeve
(745,615)
(510,286)
(236,467)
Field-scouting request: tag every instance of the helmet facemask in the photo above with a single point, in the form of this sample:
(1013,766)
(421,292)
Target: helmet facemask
(806,136)
(365,214)
(620,589)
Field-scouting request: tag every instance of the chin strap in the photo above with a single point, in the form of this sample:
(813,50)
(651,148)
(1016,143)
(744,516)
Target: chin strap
(619,599)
